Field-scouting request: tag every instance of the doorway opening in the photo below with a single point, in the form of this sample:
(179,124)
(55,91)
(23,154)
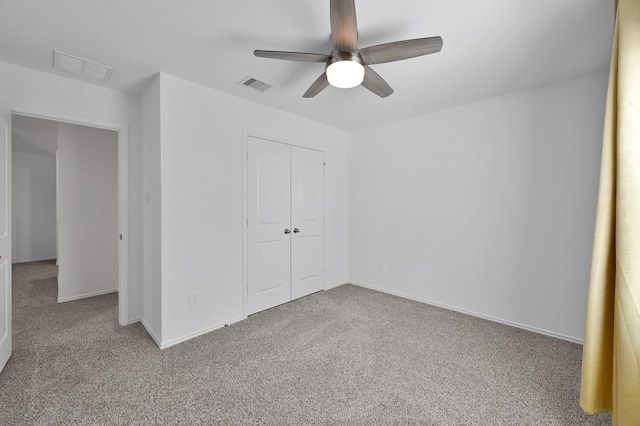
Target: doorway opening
(69,193)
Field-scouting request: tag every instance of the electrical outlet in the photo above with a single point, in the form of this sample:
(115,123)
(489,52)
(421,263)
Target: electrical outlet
(194,299)
(382,268)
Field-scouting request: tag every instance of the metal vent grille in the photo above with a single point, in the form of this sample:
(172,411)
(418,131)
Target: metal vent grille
(254,83)
(73,64)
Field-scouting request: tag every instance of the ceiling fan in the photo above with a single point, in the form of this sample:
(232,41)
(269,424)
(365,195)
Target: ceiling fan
(347,66)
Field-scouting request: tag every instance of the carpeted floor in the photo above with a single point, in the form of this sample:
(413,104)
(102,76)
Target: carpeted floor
(348,356)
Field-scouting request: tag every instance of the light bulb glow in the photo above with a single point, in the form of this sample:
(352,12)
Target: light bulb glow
(345,74)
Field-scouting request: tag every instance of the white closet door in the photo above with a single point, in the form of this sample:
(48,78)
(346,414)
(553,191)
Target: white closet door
(269,201)
(5,236)
(307,221)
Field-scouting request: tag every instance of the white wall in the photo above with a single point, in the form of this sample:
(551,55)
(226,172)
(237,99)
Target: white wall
(87,211)
(152,291)
(50,95)
(34,206)
(487,208)
(201,200)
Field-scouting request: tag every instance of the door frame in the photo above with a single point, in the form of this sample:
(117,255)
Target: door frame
(246,134)
(6,335)
(123,190)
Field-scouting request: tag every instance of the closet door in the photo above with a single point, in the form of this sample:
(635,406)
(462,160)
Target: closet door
(269,235)
(307,221)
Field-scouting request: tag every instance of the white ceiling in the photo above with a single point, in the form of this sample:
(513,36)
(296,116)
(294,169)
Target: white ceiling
(491,47)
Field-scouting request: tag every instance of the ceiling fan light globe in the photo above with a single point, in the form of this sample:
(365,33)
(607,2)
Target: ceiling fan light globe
(345,74)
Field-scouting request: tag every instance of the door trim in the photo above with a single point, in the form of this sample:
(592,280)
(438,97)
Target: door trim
(123,190)
(246,134)
(6,334)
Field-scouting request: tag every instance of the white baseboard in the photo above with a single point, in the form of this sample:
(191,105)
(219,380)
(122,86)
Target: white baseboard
(82,296)
(134,320)
(235,320)
(33,260)
(475,314)
(206,330)
(330,286)
(151,333)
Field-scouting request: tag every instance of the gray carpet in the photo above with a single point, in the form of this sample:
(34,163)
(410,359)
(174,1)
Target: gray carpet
(348,356)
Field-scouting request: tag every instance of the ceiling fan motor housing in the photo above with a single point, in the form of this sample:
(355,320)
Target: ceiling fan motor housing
(340,55)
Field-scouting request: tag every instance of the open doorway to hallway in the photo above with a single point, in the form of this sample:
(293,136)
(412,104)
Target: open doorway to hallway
(65,203)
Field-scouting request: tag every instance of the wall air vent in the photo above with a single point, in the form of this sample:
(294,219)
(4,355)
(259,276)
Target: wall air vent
(73,64)
(254,83)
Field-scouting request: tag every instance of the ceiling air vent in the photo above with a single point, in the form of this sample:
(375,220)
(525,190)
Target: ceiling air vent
(73,64)
(254,83)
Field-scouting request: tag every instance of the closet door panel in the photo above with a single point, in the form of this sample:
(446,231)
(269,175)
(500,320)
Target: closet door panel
(269,200)
(307,221)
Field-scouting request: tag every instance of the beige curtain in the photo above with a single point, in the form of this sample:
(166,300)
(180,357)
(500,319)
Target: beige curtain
(611,357)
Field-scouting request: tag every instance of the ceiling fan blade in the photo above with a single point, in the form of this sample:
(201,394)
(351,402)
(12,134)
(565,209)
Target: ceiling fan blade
(344,27)
(399,50)
(291,56)
(318,86)
(375,83)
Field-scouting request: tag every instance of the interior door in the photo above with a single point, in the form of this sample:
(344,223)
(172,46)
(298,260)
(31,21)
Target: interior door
(5,236)
(269,217)
(307,221)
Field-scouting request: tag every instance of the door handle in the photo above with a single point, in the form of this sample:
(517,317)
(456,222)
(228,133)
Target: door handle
(286,231)
(296,230)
